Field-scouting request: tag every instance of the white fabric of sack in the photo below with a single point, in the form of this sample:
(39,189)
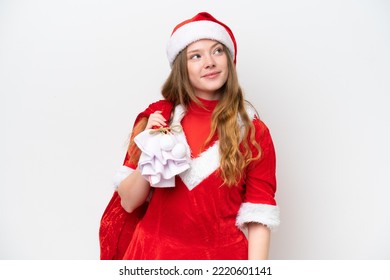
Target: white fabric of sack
(164,154)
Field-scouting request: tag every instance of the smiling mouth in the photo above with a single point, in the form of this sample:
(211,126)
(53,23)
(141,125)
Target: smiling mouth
(211,75)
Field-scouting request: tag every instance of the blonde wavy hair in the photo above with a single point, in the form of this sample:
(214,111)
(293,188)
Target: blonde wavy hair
(234,158)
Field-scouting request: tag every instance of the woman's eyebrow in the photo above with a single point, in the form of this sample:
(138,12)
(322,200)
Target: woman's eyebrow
(197,50)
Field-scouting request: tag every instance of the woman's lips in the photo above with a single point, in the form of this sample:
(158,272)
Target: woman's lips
(211,75)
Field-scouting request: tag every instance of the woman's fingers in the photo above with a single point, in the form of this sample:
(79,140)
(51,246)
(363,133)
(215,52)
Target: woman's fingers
(156,119)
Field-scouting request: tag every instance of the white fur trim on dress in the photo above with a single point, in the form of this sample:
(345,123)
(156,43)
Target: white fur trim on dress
(250,111)
(178,115)
(121,174)
(201,167)
(265,214)
(251,114)
(194,31)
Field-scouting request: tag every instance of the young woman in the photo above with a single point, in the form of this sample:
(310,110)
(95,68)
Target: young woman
(200,164)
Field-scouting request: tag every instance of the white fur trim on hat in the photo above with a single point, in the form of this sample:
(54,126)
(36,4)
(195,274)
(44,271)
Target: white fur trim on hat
(265,214)
(194,31)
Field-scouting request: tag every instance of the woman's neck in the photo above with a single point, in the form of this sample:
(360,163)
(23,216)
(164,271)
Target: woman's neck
(208,96)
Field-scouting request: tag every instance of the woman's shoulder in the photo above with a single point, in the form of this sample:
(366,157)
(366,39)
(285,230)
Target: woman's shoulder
(254,115)
(259,125)
(261,128)
(160,105)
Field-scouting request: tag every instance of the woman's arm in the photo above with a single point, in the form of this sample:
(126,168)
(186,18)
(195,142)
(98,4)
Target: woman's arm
(258,241)
(134,189)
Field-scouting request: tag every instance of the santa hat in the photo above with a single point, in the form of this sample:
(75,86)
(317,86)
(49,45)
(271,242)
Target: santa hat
(201,26)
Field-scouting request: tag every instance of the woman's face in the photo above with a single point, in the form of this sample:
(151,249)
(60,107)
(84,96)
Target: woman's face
(207,68)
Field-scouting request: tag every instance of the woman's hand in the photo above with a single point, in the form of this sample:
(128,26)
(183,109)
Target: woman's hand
(156,119)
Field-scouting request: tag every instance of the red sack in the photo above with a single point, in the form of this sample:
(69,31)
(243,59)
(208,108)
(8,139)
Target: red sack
(116,228)
(116,225)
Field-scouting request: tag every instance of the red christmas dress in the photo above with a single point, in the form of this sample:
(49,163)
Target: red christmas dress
(200,218)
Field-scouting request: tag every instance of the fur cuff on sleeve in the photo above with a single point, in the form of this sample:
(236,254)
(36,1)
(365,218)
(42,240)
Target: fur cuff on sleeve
(265,214)
(121,174)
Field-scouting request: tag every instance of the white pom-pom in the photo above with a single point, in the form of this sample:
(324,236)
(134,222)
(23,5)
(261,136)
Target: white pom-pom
(179,151)
(166,142)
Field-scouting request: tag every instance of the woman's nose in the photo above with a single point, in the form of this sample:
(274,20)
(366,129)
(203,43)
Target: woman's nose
(210,62)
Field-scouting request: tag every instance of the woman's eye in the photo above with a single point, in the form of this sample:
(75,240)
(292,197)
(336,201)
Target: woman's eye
(218,51)
(195,56)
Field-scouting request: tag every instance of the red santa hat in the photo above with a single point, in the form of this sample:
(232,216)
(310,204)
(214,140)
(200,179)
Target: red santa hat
(201,26)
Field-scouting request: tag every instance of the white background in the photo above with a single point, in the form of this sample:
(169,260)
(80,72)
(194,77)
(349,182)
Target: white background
(74,74)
